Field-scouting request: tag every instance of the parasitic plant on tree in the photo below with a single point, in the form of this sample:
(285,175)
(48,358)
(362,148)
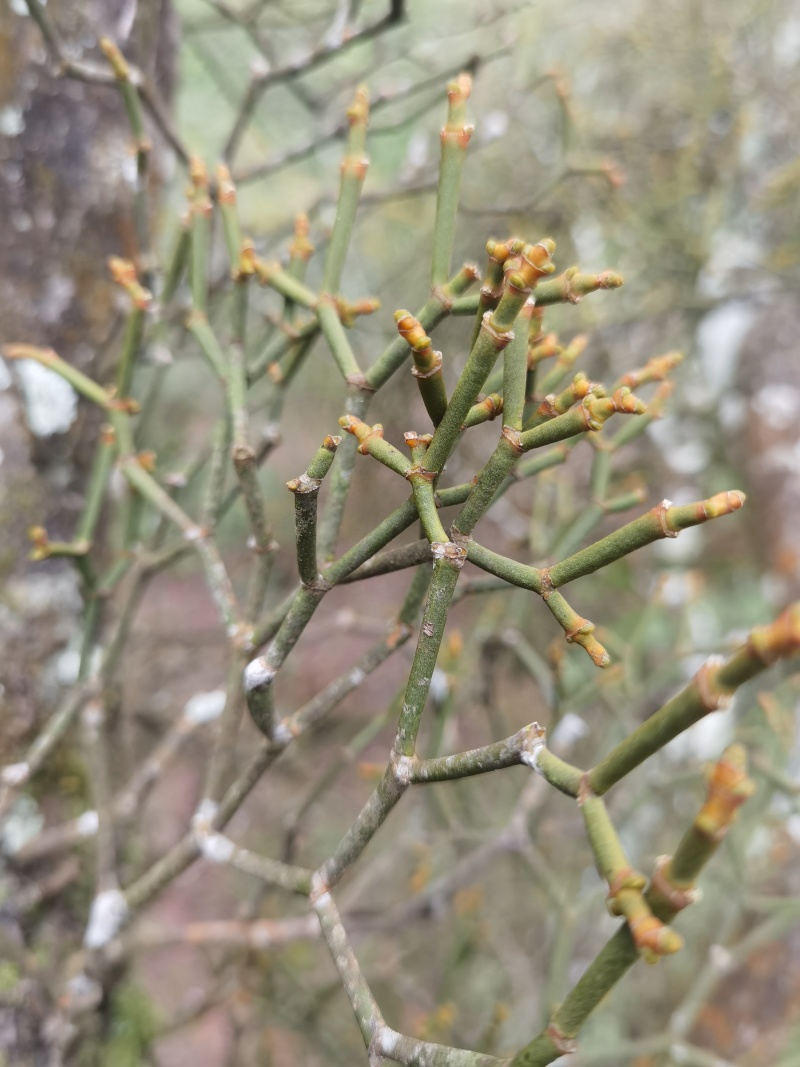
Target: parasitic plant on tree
(514,374)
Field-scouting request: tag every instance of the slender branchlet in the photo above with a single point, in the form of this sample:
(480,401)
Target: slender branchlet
(80,382)
(521,275)
(569,287)
(371,442)
(455,138)
(427,367)
(486,410)
(565,360)
(442,300)
(711,689)
(201,210)
(306,490)
(671,889)
(625,886)
(226,199)
(354,171)
(132,102)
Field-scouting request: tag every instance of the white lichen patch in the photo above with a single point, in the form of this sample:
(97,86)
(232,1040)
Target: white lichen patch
(569,729)
(532,748)
(203,817)
(67,666)
(493,126)
(258,674)
(320,894)
(440,685)
(15,774)
(11,121)
(216,847)
(204,707)
(56,297)
(389,1039)
(40,594)
(22,823)
(780,405)
(402,767)
(108,913)
(282,733)
(51,404)
(87,823)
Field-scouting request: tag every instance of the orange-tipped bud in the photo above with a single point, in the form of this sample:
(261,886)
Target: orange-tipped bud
(583,634)
(115,58)
(358,112)
(301,246)
(456,130)
(411,331)
(226,190)
(678,517)
(534,263)
(417,440)
(600,409)
(781,638)
(247,259)
(658,402)
(653,939)
(723,503)
(124,274)
(40,542)
(575,348)
(545,348)
(625,402)
(362,431)
(576,285)
(460,89)
(147,460)
(350,311)
(198,173)
(655,370)
(728,788)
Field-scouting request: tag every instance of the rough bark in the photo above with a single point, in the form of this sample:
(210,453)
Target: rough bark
(65,206)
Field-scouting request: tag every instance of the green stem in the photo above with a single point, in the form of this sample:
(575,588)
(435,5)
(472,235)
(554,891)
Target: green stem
(455,139)
(357,404)
(198,325)
(335,335)
(495,334)
(306,490)
(515,369)
(429,316)
(619,953)
(79,381)
(710,689)
(560,290)
(661,521)
(443,583)
(507,753)
(354,171)
(201,211)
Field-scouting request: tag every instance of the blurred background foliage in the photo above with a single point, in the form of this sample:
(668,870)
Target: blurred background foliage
(657,139)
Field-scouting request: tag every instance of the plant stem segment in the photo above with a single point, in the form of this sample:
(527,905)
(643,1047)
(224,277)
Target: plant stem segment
(670,891)
(455,139)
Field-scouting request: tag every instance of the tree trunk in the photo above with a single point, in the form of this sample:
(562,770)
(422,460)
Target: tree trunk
(66,163)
